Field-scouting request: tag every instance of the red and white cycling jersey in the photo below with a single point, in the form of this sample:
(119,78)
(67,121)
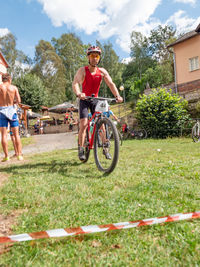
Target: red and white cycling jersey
(91,82)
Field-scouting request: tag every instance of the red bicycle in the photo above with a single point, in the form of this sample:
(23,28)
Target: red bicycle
(102,135)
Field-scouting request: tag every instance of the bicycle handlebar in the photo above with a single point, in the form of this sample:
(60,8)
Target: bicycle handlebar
(100,98)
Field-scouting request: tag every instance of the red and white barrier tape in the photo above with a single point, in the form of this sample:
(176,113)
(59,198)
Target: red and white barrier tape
(97,228)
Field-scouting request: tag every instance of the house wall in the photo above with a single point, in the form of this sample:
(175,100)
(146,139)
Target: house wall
(3,68)
(183,51)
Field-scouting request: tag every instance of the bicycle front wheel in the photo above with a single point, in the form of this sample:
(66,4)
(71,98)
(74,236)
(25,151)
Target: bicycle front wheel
(196,133)
(120,138)
(106,145)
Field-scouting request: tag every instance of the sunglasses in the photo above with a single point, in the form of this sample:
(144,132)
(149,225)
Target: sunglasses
(97,56)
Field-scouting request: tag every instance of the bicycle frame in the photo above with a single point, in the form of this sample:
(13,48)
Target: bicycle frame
(99,138)
(94,117)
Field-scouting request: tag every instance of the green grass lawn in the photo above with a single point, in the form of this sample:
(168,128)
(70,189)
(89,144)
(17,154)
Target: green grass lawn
(56,191)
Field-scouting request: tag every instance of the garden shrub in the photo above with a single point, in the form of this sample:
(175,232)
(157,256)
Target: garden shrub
(162,113)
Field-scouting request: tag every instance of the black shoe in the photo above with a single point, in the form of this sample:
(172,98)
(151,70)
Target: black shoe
(107,154)
(81,154)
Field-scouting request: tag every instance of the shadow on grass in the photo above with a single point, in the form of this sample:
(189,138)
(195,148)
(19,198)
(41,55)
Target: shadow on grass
(64,168)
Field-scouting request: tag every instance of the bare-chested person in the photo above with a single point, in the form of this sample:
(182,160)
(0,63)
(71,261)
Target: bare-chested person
(9,95)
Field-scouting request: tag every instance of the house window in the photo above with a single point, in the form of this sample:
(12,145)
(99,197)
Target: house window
(194,63)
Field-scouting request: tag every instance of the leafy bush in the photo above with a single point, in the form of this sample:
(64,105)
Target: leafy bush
(162,113)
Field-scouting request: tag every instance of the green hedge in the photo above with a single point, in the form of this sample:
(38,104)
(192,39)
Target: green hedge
(162,113)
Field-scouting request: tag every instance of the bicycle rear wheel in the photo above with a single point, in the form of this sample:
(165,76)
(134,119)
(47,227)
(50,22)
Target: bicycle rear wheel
(141,134)
(126,135)
(196,133)
(106,141)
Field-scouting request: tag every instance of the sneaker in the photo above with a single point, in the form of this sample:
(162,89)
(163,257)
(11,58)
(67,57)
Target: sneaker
(5,159)
(107,154)
(81,154)
(20,157)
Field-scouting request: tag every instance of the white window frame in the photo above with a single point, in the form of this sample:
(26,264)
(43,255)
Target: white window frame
(194,63)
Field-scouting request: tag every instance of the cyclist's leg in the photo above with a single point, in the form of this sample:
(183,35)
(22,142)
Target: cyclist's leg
(82,131)
(83,115)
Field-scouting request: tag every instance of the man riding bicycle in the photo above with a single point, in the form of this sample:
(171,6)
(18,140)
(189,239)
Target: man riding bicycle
(90,78)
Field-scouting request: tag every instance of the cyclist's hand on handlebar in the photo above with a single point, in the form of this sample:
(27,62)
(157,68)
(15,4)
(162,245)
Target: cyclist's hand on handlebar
(81,96)
(119,99)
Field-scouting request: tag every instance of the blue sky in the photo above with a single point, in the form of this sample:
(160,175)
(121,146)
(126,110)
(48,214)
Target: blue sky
(103,20)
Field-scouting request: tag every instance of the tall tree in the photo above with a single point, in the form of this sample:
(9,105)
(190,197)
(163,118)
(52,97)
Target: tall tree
(140,53)
(19,63)
(159,39)
(110,61)
(49,67)
(73,54)
(141,56)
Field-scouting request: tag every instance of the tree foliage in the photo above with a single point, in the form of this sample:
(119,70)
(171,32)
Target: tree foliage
(158,40)
(140,53)
(32,90)
(161,113)
(73,55)
(50,69)
(110,61)
(151,63)
(18,62)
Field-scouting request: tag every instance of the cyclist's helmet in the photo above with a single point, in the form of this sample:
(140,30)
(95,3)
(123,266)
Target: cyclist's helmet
(93,49)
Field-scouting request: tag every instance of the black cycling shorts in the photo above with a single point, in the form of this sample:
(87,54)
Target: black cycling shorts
(84,105)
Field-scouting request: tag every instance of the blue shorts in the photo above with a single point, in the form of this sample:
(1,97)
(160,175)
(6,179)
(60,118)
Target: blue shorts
(4,121)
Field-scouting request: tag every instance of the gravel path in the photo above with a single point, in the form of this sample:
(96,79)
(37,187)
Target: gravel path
(50,142)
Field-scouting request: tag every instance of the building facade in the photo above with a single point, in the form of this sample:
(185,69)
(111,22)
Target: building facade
(186,51)
(3,66)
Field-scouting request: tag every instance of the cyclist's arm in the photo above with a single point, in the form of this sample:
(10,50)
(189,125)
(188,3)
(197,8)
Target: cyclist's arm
(78,80)
(108,80)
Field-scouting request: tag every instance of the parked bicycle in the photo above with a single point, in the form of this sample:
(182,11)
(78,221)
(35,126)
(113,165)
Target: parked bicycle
(22,130)
(128,132)
(102,135)
(196,131)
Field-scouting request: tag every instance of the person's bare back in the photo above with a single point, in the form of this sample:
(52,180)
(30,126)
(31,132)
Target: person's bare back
(8,94)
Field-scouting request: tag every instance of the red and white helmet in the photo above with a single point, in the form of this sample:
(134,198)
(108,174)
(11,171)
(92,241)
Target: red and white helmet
(93,49)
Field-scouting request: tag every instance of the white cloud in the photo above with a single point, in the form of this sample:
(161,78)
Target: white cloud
(192,2)
(182,22)
(116,18)
(3,31)
(105,17)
